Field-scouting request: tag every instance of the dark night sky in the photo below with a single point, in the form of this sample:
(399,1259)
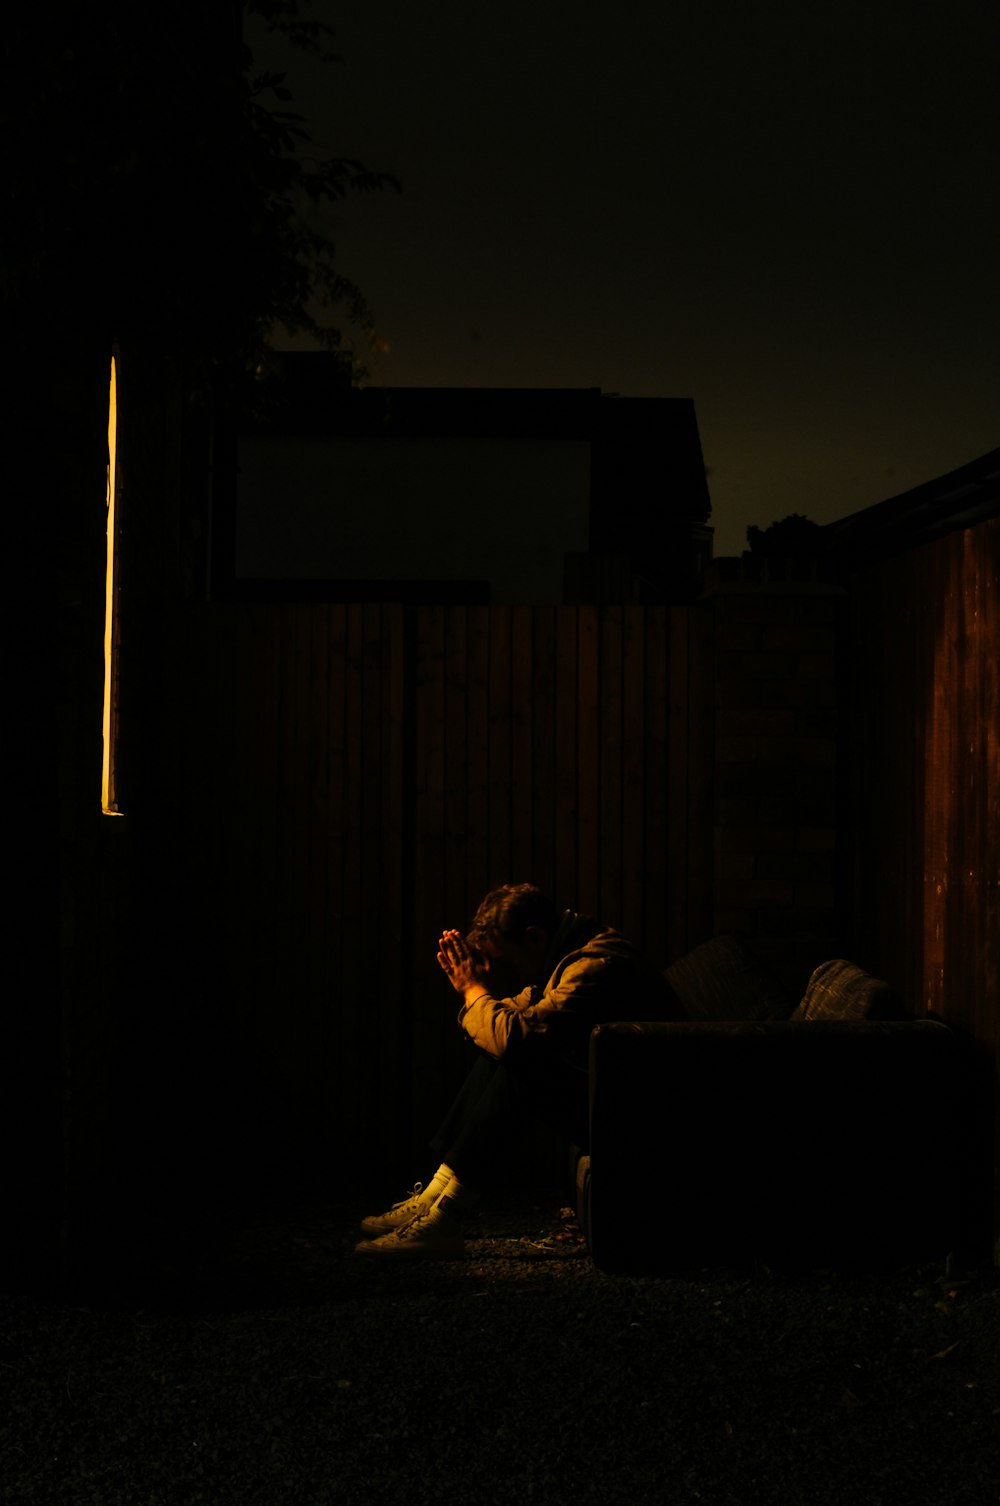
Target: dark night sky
(789,213)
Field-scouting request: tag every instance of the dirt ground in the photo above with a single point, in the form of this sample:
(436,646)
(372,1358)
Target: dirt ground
(273,1366)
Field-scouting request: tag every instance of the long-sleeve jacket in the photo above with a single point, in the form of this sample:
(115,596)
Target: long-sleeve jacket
(596,976)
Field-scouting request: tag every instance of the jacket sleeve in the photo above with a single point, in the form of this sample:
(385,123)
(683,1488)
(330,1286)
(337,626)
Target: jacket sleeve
(577,991)
(493,1024)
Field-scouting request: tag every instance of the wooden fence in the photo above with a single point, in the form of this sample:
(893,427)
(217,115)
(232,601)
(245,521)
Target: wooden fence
(927,719)
(360,775)
(926,821)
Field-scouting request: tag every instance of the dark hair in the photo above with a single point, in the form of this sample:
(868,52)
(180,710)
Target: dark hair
(509,910)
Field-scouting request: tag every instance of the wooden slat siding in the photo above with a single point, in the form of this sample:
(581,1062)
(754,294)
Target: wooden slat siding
(367,874)
(395,992)
(500,746)
(314,643)
(479,875)
(213,723)
(280,848)
(973,763)
(355,1041)
(695,880)
(928,832)
(455,901)
(979,896)
(585,889)
(678,773)
(874,944)
(911,823)
(903,667)
(313,640)
(565,801)
(431,1015)
(366,868)
(302,1004)
(240,800)
(335,942)
(239,741)
(633,826)
(265,817)
(962,832)
(943,699)
(989,652)
(289,980)
(441,1003)
(384,775)
(656,782)
(522,860)
(963,784)
(544,742)
(985,796)
(890,856)
(609,700)
(919,577)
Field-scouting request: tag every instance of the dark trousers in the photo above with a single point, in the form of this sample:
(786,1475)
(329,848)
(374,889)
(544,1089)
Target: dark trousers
(480,1131)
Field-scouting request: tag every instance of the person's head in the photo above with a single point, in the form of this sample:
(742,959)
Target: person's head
(512,929)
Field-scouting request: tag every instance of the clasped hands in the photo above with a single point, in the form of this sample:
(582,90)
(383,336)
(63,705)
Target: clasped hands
(465,969)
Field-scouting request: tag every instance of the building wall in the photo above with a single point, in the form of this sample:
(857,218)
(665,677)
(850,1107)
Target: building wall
(502,512)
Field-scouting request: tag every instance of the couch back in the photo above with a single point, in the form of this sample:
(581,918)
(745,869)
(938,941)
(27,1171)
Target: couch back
(721,981)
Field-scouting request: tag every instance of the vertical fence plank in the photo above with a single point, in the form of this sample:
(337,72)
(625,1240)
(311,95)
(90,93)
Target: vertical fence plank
(523,705)
(340,1012)
(587,888)
(281,843)
(939,764)
(391,778)
(431,1018)
(696,872)
(610,700)
(457,767)
(928,832)
(658,781)
(545,739)
(633,840)
(500,745)
(916,649)
(457,774)
(373,1067)
(356,1029)
(566,798)
(395,1003)
(677,789)
(315,899)
(478,865)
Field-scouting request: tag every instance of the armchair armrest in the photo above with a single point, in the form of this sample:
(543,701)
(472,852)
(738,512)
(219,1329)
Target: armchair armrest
(817,1142)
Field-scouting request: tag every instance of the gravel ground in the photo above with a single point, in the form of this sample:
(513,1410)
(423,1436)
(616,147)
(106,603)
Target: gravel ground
(279,1369)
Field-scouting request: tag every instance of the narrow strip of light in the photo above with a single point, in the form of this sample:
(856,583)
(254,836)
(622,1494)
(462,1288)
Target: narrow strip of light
(108,803)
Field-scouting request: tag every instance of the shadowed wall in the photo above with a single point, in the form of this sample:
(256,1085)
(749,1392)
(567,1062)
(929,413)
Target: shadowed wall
(357,777)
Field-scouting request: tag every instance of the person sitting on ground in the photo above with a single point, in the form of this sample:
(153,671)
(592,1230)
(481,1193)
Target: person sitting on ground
(534,982)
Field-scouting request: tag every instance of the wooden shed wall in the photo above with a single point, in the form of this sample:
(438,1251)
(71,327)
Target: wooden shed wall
(358,776)
(926,798)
